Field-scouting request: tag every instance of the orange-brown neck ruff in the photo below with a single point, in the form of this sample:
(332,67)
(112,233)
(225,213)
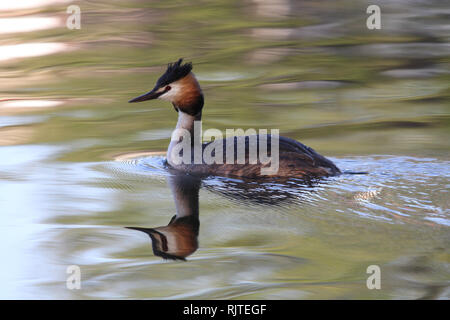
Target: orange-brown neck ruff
(189,98)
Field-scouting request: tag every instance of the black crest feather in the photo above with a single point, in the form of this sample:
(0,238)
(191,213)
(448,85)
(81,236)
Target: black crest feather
(175,71)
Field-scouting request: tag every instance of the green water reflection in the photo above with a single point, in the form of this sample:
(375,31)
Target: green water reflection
(372,100)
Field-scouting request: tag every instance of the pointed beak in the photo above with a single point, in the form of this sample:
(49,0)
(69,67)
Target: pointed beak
(147,96)
(146,230)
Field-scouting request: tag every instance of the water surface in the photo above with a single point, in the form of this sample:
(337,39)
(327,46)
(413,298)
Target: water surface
(78,163)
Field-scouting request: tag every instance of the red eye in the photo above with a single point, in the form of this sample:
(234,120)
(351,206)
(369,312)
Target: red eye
(168,88)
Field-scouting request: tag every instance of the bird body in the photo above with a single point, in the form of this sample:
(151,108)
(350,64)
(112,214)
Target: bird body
(179,86)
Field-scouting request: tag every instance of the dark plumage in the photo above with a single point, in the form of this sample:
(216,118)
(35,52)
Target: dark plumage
(295,160)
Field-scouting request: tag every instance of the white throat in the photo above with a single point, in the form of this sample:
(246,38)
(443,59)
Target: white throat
(185,123)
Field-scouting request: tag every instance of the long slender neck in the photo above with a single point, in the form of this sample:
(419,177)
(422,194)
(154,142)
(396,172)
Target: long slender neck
(186,122)
(185,190)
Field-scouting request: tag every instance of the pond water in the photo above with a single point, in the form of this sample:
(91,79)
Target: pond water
(78,164)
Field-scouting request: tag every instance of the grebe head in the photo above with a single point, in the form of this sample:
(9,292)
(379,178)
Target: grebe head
(175,241)
(179,86)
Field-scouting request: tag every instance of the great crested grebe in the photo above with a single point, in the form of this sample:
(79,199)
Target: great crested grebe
(179,86)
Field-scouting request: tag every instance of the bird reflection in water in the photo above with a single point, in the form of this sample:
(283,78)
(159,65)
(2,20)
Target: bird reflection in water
(179,238)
